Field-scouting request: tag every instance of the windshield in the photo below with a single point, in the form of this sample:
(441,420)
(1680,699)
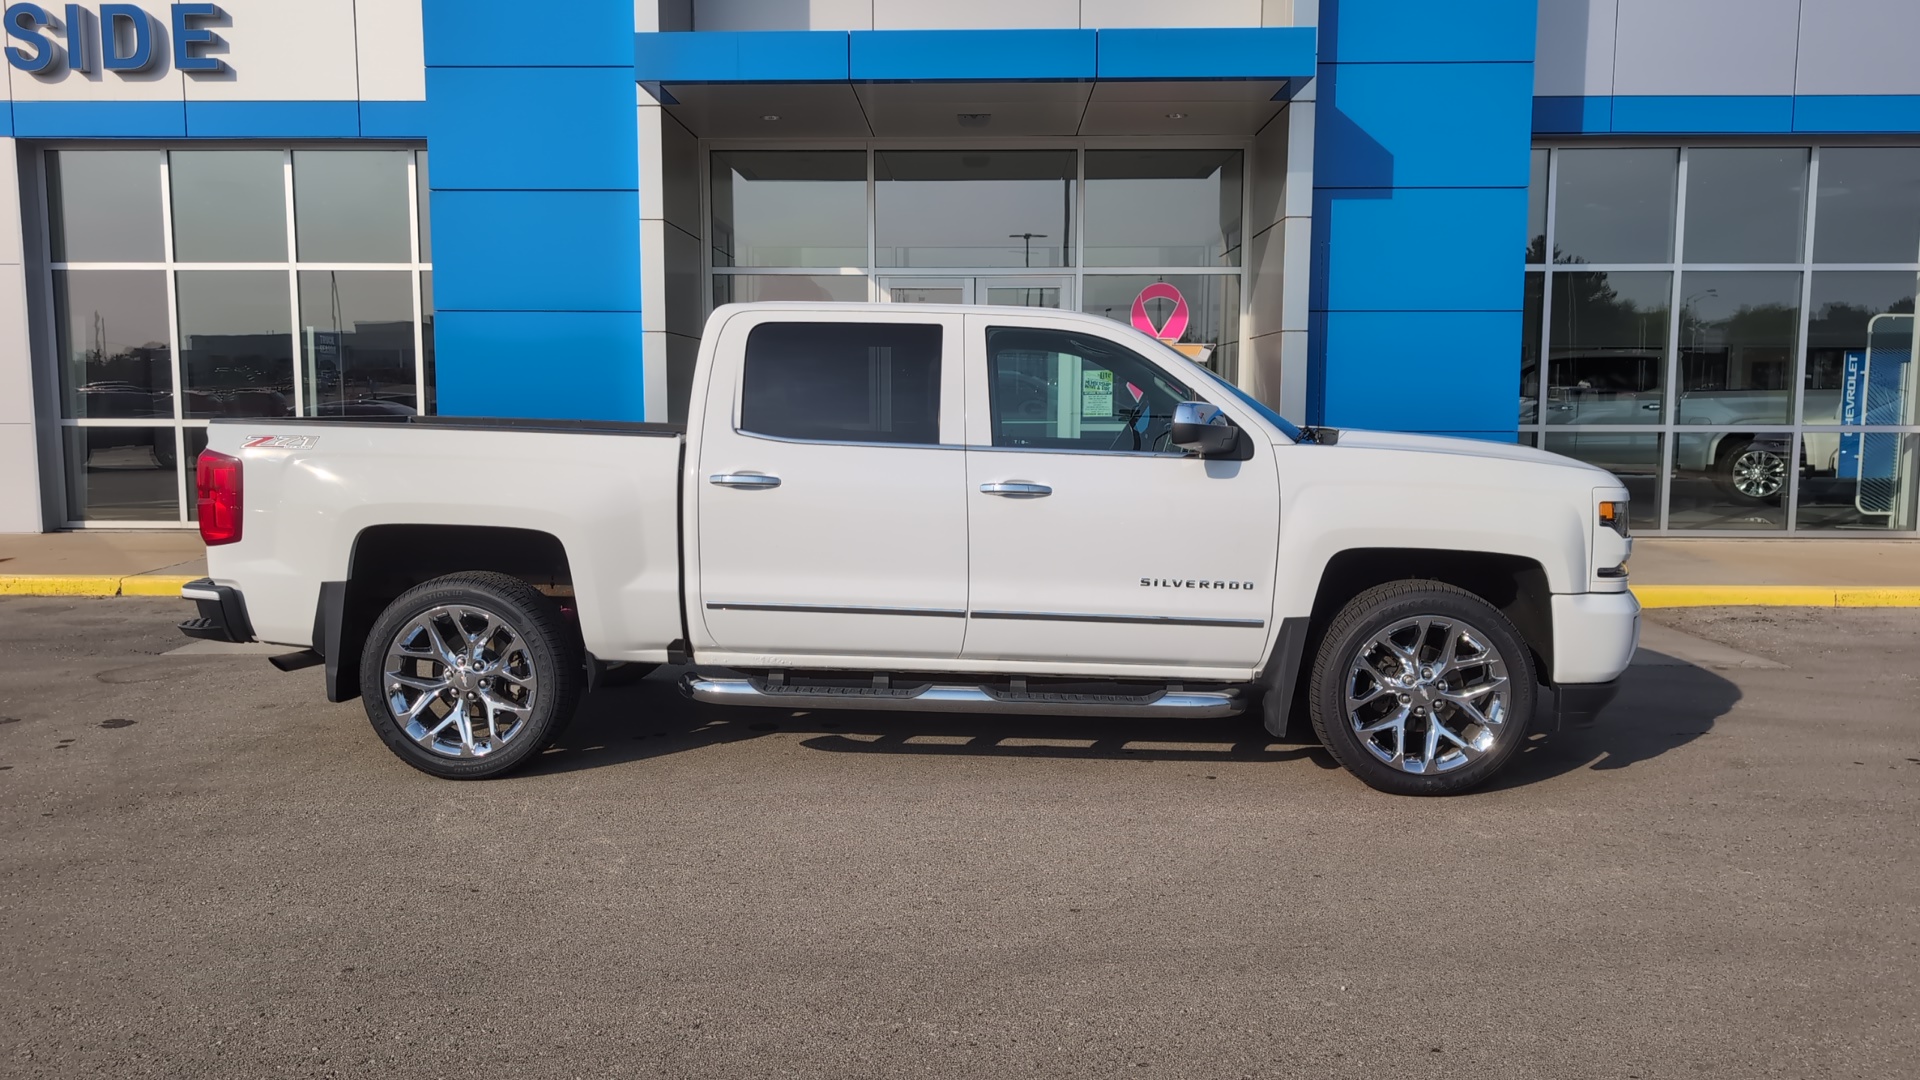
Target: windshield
(1244,398)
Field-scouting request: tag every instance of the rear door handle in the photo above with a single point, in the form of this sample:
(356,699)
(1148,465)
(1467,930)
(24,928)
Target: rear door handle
(1017,489)
(744,480)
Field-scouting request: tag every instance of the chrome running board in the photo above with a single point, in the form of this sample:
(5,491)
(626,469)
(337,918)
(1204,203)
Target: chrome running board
(961,698)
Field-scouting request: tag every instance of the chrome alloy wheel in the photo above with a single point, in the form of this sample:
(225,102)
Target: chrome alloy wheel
(460,681)
(1759,474)
(1428,694)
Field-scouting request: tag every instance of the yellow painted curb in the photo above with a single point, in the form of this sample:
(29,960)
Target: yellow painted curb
(1674,596)
(153,585)
(58,585)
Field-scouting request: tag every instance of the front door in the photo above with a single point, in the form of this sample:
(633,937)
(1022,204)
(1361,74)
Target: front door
(1092,539)
(829,483)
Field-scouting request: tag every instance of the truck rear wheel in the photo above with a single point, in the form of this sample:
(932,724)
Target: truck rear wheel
(1421,688)
(469,675)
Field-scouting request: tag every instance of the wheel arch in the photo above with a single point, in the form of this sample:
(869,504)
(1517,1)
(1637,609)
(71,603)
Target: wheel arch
(387,560)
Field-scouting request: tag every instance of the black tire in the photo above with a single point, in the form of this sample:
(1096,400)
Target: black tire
(1734,473)
(1357,627)
(547,649)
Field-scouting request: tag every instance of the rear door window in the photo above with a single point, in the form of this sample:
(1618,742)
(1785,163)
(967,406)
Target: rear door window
(843,382)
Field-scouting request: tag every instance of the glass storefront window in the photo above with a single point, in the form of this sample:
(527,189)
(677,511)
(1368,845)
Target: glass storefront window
(1859,480)
(104,205)
(748,288)
(229,205)
(1018,203)
(1537,207)
(425,205)
(1607,355)
(356,342)
(1211,334)
(351,206)
(112,335)
(1868,209)
(1163,207)
(1738,331)
(236,343)
(1615,206)
(1532,313)
(1632,456)
(122,474)
(1746,205)
(1843,305)
(1730,480)
(789,208)
(426,340)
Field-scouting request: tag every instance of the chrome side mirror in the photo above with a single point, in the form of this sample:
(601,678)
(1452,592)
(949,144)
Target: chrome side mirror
(1203,429)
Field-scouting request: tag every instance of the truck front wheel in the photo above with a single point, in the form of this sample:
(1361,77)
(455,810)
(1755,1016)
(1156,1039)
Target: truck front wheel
(1421,688)
(469,675)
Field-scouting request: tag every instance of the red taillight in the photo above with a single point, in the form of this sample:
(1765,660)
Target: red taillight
(217,476)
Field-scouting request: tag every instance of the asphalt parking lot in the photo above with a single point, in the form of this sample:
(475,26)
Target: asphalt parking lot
(207,870)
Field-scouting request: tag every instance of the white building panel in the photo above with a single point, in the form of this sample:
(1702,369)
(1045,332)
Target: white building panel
(1716,47)
(1573,48)
(277,51)
(1860,47)
(783,15)
(1096,14)
(976,15)
(390,52)
(61,83)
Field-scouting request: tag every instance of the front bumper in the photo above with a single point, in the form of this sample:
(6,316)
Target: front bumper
(1594,636)
(223,612)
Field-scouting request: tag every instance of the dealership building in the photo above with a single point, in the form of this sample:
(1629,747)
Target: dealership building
(1677,238)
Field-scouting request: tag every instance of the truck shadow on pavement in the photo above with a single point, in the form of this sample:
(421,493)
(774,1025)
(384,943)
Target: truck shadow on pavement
(1662,706)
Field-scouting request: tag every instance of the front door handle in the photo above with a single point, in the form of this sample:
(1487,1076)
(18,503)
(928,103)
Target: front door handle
(1017,489)
(744,480)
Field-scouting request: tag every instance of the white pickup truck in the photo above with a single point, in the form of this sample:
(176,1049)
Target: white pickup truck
(955,509)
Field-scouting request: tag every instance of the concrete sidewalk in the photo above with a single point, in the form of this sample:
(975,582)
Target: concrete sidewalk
(1667,572)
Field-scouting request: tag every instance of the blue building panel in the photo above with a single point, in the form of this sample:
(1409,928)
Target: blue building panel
(273,119)
(1384,125)
(1439,372)
(1422,31)
(514,33)
(1702,114)
(1572,115)
(1859,113)
(971,55)
(535,250)
(715,56)
(1419,249)
(547,365)
(1258,52)
(393,119)
(100,119)
(483,124)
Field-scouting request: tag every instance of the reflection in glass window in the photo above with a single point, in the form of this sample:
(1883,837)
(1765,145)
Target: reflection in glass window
(1017,207)
(122,474)
(1615,206)
(1859,480)
(1730,480)
(1530,326)
(1738,331)
(1607,357)
(1061,390)
(356,342)
(104,205)
(112,333)
(426,340)
(1537,207)
(1163,208)
(789,208)
(1211,314)
(351,205)
(749,288)
(229,205)
(424,204)
(236,336)
(843,382)
(1746,205)
(1868,206)
(1631,456)
(1843,304)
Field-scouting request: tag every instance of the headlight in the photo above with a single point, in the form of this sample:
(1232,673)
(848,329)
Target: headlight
(1613,515)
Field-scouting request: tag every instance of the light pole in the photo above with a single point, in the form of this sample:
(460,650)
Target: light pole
(1027,239)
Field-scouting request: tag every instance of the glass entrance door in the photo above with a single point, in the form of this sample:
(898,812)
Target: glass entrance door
(1023,290)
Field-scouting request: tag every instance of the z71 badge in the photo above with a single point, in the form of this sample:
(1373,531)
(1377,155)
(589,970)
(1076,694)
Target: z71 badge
(280,442)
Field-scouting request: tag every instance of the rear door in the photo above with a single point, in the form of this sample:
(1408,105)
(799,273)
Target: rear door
(1092,539)
(829,487)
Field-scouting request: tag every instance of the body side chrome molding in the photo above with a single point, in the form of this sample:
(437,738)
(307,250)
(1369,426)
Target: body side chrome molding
(817,609)
(1144,620)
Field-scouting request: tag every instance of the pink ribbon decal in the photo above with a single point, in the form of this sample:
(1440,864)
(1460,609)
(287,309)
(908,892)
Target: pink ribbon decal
(1176,323)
